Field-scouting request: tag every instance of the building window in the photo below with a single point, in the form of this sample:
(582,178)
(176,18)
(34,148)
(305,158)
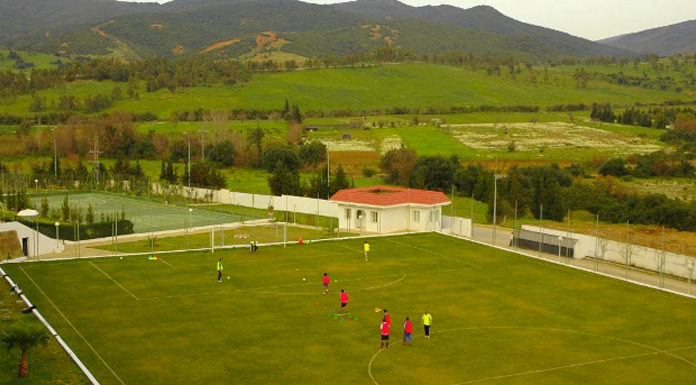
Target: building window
(416,216)
(433,216)
(374,217)
(347,213)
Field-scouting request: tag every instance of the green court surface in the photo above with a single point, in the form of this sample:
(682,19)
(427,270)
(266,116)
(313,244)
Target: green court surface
(498,318)
(146,215)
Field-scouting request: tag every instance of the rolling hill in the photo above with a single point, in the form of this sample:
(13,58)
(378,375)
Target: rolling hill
(232,28)
(483,19)
(670,40)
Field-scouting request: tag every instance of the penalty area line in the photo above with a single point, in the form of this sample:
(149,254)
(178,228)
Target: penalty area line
(115,281)
(434,253)
(72,326)
(166,263)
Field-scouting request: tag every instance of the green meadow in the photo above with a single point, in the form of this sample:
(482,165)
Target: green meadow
(403,85)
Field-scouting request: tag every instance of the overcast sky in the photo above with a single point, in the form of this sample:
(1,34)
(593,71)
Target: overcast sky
(591,19)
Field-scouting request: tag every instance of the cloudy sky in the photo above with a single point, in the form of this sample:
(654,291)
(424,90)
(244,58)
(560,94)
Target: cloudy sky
(591,19)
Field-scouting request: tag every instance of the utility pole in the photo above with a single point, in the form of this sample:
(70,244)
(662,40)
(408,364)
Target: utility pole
(95,162)
(203,132)
(188,164)
(55,156)
(328,174)
(495,198)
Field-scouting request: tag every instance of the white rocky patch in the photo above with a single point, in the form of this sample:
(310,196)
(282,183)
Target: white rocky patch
(553,135)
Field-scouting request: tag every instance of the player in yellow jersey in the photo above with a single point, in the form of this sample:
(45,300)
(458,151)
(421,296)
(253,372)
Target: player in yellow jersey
(366,249)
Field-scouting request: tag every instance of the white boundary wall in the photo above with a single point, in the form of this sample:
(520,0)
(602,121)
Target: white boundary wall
(571,266)
(457,225)
(51,330)
(627,254)
(290,203)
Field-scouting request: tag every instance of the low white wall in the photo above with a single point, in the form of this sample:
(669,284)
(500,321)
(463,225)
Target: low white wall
(619,252)
(47,245)
(457,226)
(290,203)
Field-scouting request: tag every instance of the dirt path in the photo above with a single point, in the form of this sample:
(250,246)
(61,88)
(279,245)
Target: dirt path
(123,51)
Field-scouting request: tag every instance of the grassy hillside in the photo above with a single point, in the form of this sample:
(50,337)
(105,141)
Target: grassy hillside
(669,40)
(376,88)
(26,60)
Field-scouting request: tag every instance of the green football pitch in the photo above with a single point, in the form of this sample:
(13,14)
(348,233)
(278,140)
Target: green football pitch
(146,215)
(498,317)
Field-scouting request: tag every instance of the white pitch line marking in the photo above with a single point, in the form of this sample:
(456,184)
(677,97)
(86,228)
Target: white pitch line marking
(349,248)
(576,365)
(434,253)
(166,263)
(73,327)
(655,351)
(115,281)
(385,285)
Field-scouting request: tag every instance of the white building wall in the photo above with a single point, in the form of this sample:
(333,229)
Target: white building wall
(429,218)
(46,245)
(395,219)
(390,219)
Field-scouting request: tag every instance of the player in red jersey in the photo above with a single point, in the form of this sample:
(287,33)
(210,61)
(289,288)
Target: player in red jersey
(325,281)
(344,300)
(385,333)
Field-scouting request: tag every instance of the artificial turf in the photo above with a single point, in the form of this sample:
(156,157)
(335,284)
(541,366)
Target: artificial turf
(498,318)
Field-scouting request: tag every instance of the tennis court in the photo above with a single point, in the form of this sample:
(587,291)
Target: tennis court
(146,215)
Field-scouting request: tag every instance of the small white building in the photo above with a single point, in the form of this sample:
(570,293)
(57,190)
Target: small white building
(32,243)
(383,209)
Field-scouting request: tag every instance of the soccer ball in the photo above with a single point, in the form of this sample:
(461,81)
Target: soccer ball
(304,279)
(228,277)
(121,257)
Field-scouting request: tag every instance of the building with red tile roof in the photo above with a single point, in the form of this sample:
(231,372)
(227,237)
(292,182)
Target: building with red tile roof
(384,209)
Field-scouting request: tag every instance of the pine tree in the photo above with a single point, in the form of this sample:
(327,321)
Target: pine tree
(90,215)
(44,207)
(66,209)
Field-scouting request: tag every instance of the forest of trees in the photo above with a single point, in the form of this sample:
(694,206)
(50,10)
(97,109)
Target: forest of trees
(556,189)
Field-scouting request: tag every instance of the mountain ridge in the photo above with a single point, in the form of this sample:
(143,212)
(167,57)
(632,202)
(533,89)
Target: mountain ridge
(667,40)
(183,27)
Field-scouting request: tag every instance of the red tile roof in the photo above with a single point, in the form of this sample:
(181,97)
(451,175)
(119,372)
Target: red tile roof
(389,196)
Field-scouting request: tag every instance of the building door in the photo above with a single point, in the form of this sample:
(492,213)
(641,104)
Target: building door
(360,222)
(25,246)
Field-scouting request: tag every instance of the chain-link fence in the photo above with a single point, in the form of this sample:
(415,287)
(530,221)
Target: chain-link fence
(646,254)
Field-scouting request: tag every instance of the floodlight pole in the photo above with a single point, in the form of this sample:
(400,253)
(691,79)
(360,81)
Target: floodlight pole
(596,243)
(36,252)
(203,132)
(472,214)
(36,185)
(188,226)
(116,231)
(55,156)
(452,212)
(514,228)
(57,235)
(662,259)
(541,232)
(559,247)
(285,228)
(495,198)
